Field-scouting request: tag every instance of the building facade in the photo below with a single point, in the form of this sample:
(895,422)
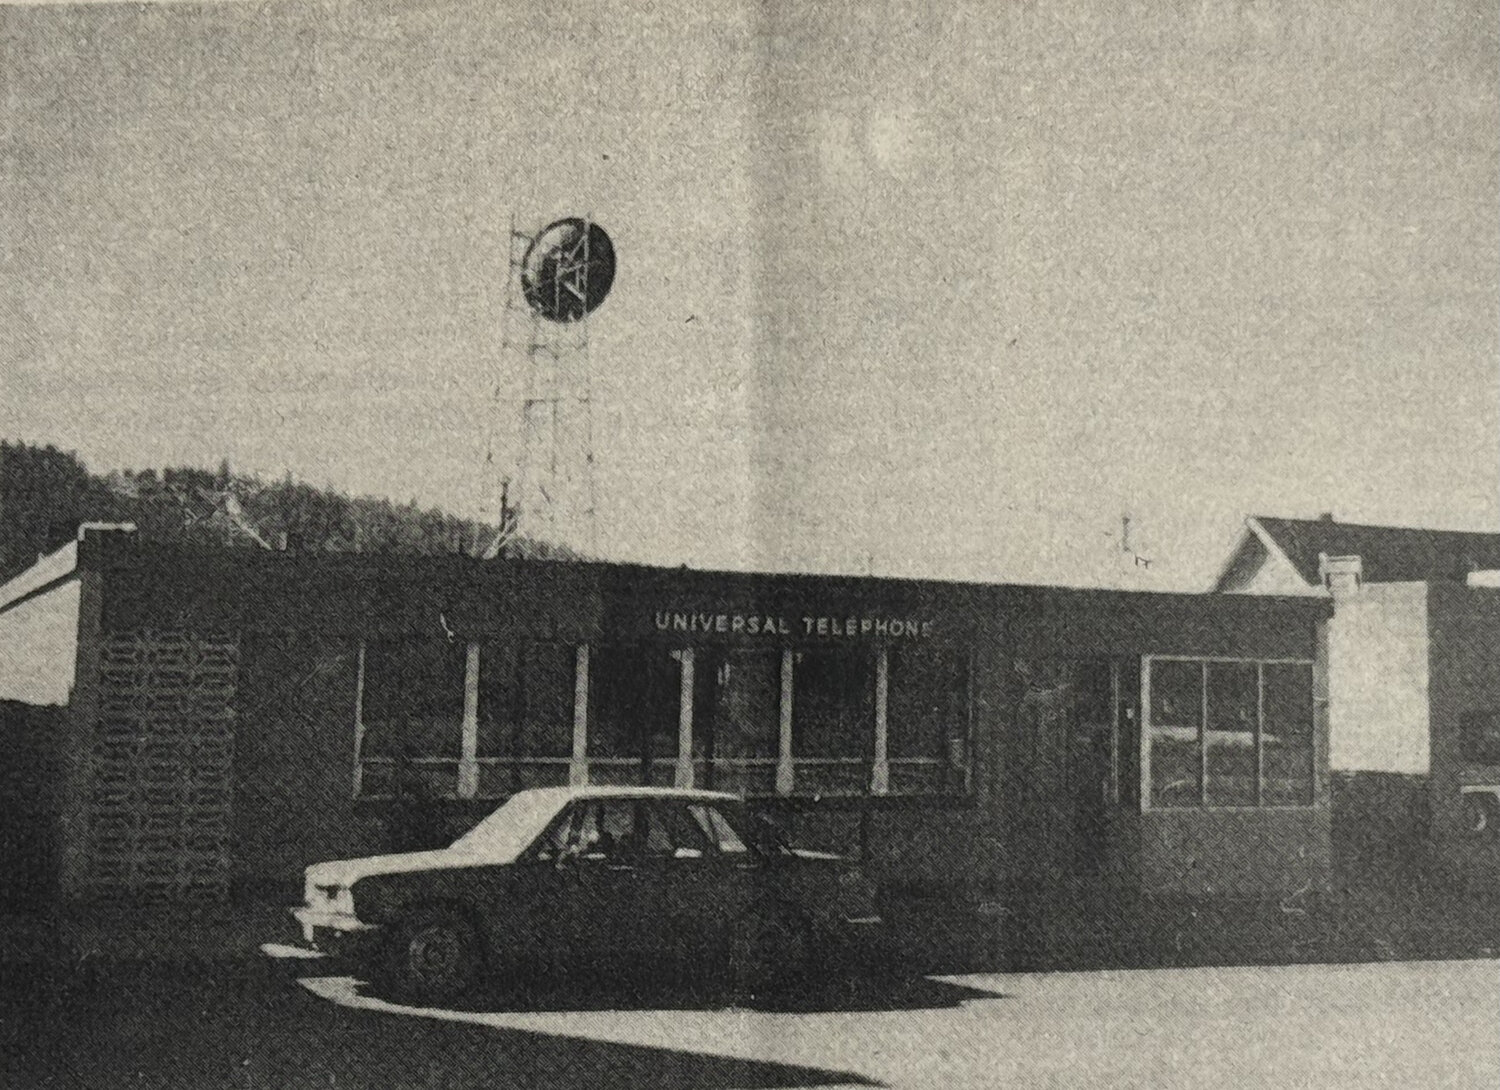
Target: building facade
(223,718)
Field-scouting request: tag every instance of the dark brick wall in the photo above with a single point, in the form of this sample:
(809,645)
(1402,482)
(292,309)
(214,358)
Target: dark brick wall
(30,779)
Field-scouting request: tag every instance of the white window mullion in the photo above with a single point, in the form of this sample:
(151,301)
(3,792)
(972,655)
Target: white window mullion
(1145,739)
(1203,736)
(784,775)
(578,767)
(684,777)
(468,761)
(359,721)
(880,774)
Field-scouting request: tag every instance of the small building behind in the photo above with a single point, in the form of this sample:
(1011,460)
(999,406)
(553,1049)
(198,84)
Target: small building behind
(1414,683)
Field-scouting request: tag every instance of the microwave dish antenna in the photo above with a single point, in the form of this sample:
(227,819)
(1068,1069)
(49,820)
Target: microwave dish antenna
(568,269)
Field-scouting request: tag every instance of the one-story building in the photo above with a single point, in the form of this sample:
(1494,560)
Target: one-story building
(1413,682)
(222,718)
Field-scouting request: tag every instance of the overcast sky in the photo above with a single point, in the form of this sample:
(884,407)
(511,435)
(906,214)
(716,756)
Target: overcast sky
(963,285)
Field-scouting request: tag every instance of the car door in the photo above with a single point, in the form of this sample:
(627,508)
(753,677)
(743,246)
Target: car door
(688,873)
(601,897)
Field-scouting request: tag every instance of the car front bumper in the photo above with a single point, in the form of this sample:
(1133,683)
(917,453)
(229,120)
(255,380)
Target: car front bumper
(327,937)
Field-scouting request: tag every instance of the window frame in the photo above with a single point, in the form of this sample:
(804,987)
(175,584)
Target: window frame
(1204,803)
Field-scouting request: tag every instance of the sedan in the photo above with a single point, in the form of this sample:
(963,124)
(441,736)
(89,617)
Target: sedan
(591,877)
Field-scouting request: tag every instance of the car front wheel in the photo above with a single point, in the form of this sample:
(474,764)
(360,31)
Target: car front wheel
(437,956)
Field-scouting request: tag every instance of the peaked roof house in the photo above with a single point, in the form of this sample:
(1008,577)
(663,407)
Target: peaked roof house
(1297,556)
(1413,685)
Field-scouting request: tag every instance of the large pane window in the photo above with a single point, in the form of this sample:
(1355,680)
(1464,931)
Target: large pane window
(1232,719)
(737,719)
(1176,733)
(833,721)
(1287,735)
(635,695)
(411,712)
(1256,742)
(927,719)
(525,728)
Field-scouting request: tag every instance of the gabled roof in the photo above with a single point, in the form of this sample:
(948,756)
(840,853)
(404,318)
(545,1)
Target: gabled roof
(1389,554)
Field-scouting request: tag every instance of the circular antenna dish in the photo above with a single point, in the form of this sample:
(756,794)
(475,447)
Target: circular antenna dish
(568,269)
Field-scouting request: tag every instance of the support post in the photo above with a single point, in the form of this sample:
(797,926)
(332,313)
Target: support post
(684,777)
(880,772)
(468,760)
(784,778)
(578,767)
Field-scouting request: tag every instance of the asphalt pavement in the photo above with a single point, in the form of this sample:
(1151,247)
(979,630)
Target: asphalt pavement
(203,1025)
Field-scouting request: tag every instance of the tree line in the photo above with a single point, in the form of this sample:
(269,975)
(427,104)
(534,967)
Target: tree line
(45,493)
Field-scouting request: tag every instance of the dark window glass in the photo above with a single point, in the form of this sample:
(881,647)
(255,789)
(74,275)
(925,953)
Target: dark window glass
(833,704)
(1233,713)
(1287,737)
(737,707)
(1479,737)
(526,700)
(634,696)
(927,703)
(413,701)
(1129,751)
(1176,728)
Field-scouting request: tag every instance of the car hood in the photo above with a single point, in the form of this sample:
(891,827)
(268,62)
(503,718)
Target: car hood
(345,872)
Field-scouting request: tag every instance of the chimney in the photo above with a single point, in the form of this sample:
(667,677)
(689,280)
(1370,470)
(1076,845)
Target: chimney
(1342,575)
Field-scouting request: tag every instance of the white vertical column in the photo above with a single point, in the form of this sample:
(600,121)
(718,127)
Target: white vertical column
(880,773)
(359,721)
(578,767)
(684,776)
(468,760)
(1145,730)
(784,779)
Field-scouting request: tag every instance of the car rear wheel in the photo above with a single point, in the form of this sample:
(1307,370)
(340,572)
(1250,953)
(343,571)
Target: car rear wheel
(770,953)
(437,956)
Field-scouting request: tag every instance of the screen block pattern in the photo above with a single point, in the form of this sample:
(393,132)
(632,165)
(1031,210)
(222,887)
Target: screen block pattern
(160,764)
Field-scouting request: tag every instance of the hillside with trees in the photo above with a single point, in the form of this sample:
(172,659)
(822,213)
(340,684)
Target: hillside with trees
(46,492)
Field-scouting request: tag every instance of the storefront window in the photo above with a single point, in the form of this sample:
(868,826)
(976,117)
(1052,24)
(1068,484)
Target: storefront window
(1176,733)
(411,713)
(525,728)
(635,695)
(1232,718)
(833,721)
(1258,733)
(1287,737)
(736,719)
(927,720)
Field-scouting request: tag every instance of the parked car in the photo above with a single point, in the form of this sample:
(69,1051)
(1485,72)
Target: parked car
(592,877)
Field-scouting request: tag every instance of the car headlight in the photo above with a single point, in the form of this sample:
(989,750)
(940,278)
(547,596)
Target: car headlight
(337,899)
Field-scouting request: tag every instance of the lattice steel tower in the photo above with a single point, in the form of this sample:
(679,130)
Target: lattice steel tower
(558,276)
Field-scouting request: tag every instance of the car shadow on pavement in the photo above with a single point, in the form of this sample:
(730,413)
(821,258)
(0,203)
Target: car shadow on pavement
(205,1028)
(849,993)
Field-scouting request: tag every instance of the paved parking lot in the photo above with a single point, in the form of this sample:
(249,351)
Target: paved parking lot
(1425,1024)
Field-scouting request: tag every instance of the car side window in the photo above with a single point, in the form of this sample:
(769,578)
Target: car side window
(558,836)
(715,826)
(673,835)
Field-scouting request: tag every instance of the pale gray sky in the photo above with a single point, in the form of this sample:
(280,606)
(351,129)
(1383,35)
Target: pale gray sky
(965,284)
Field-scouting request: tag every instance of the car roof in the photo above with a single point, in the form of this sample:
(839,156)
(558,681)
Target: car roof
(626,791)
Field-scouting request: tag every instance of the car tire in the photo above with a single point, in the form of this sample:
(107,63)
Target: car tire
(770,954)
(436,957)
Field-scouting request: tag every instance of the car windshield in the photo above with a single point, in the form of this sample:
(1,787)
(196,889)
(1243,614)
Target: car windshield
(510,830)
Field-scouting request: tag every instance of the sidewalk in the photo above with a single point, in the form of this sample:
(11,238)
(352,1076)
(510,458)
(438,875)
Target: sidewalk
(180,935)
